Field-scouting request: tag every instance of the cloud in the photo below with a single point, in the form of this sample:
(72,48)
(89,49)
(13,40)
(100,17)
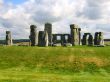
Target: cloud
(93,14)
(93,9)
(1,3)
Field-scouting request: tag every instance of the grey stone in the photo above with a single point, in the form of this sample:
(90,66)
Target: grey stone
(64,38)
(90,40)
(74,34)
(48,28)
(33,35)
(46,39)
(54,38)
(8,38)
(96,37)
(98,40)
(79,36)
(85,40)
(101,39)
(41,37)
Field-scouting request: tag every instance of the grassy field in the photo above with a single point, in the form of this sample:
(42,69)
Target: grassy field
(54,64)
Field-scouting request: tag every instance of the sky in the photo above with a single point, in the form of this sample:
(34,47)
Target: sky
(17,16)
(15,2)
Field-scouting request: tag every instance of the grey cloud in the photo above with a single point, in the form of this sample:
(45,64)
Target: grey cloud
(93,9)
(59,12)
(103,27)
(6,23)
(92,13)
(44,16)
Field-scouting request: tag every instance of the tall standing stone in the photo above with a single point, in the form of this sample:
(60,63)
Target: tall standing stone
(69,38)
(79,36)
(63,39)
(54,39)
(90,40)
(74,34)
(87,39)
(84,40)
(41,37)
(8,38)
(33,35)
(46,39)
(96,38)
(101,39)
(48,28)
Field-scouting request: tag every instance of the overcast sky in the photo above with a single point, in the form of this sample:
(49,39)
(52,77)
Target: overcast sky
(18,15)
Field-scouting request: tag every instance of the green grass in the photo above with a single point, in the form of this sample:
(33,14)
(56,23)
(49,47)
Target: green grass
(34,76)
(54,64)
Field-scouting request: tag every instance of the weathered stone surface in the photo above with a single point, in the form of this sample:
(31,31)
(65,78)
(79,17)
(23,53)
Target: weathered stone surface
(46,39)
(41,37)
(8,38)
(33,35)
(79,36)
(65,38)
(101,39)
(96,37)
(54,39)
(48,28)
(98,40)
(84,40)
(74,34)
(90,40)
(87,39)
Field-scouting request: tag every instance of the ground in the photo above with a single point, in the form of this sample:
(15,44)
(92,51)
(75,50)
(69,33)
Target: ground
(54,64)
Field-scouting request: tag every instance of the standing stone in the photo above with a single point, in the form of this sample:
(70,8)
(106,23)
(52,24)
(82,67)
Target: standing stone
(74,34)
(66,38)
(63,39)
(90,40)
(48,28)
(79,36)
(54,39)
(8,38)
(96,38)
(84,40)
(69,38)
(101,39)
(33,35)
(46,39)
(41,37)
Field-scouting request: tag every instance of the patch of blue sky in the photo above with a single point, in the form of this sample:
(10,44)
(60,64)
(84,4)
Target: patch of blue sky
(15,1)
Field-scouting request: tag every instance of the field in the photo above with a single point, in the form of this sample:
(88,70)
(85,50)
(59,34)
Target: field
(54,64)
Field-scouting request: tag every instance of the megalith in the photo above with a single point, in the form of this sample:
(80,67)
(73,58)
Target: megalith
(90,40)
(98,40)
(74,34)
(33,35)
(8,38)
(41,38)
(48,29)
